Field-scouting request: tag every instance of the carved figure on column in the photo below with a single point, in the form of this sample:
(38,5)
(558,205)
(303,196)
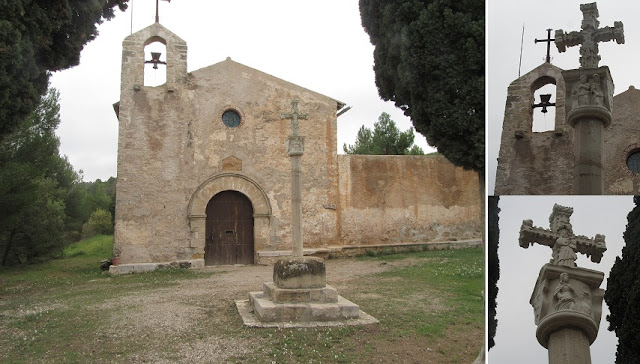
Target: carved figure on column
(564,295)
(596,91)
(580,92)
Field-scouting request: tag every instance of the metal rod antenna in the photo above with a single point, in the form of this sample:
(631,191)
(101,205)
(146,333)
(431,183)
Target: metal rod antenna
(521,43)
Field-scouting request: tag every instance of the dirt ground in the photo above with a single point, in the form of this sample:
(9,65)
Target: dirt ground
(200,315)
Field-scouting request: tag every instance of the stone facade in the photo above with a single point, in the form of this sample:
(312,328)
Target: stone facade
(543,163)
(175,153)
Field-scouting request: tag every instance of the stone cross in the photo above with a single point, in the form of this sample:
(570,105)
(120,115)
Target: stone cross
(589,36)
(294,115)
(560,238)
(548,41)
(295,149)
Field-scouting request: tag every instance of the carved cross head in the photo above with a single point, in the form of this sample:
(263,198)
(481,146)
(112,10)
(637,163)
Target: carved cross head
(294,115)
(590,16)
(559,220)
(561,239)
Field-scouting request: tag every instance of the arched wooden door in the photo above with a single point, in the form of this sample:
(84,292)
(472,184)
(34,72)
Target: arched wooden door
(229,229)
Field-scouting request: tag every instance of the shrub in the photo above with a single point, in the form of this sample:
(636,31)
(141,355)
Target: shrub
(99,224)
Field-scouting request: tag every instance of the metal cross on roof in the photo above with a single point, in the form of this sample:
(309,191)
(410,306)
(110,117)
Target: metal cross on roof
(158,17)
(548,40)
(561,240)
(589,36)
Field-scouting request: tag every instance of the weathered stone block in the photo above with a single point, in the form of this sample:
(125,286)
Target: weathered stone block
(268,311)
(281,295)
(299,272)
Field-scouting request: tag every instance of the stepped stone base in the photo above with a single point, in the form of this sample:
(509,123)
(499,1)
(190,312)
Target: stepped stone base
(299,296)
(269,311)
(327,294)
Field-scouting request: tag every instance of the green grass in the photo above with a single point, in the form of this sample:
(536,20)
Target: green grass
(51,306)
(431,302)
(454,277)
(57,311)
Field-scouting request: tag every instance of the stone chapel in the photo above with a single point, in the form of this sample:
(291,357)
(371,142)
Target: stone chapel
(204,176)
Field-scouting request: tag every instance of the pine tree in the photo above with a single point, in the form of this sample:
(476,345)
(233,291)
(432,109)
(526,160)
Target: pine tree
(385,138)
(34,183)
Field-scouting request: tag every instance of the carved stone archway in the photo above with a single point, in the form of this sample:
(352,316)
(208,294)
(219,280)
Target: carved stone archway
(228,182)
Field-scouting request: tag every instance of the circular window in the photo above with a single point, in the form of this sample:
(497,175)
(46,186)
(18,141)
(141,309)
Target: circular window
(633,162)
(231,118)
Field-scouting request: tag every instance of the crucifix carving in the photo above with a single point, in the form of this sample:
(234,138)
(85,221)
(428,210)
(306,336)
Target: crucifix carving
(548,41)
(294,115)
(158,17)
(561,240)
(589,36)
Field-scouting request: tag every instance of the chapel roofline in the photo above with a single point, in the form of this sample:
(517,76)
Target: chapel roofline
(228,60)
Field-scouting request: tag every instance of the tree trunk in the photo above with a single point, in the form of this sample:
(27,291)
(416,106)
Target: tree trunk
(7,247)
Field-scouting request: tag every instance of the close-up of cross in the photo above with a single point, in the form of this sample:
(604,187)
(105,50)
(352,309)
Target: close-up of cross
(589,36)
(561,231)
(294,115)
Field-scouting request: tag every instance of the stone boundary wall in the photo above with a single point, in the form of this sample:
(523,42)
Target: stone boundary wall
(387,200)
(270,257)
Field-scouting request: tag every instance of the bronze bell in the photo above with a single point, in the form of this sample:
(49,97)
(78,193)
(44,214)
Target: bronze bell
(155,59)
(544,102)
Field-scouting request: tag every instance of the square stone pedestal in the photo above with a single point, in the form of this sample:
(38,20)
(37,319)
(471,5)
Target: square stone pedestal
(299,297)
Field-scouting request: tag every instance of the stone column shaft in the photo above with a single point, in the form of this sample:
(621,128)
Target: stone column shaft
(296,205)
(588,109)
(569,346)
(588,156)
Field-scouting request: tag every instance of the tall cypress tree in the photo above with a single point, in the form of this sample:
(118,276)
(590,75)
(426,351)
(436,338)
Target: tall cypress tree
(429,60)
(494,265)
(623,292)
(38,37)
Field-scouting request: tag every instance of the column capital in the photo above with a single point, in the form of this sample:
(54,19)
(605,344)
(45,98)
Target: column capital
(567,297)
(589,94)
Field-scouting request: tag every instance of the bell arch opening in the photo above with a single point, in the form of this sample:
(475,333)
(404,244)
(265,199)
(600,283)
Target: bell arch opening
(155,62)
(543,106)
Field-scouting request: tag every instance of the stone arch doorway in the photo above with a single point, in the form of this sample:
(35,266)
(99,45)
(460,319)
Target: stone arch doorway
(197,214)
(229,229)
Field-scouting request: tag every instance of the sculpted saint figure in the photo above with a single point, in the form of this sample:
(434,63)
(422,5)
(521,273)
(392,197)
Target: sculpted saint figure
(596,91)
(580,92)
(564,252)
(564,295)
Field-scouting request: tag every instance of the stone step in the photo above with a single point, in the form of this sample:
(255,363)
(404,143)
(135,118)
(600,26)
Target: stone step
(327,294)
(268,311)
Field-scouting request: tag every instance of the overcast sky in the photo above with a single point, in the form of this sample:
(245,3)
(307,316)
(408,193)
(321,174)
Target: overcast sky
(505,19)
(516,335)
(318,45)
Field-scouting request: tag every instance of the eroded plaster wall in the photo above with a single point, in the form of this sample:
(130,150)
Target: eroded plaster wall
(406,199)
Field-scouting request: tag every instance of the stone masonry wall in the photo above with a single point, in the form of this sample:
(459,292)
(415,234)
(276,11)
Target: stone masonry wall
(406,199)
(534,163)
(622,138)
(173,149)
